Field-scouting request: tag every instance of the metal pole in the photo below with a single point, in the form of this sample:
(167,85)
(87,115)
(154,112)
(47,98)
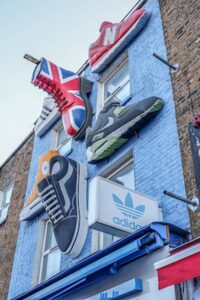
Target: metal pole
(31,59)
(164,61)
(170,194)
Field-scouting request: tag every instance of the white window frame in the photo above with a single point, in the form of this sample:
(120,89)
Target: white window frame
(44,252)
(120,87)
(2,195)
(121,167)
(116,66)
(66,146)
(99,239)
(57,135)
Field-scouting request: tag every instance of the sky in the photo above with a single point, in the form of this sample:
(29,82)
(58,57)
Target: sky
(60,31)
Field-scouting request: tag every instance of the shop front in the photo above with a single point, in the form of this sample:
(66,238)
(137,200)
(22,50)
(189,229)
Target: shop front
(181,268)
(124,270)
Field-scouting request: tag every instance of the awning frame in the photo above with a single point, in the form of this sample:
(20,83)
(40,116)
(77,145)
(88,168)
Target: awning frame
(108,261)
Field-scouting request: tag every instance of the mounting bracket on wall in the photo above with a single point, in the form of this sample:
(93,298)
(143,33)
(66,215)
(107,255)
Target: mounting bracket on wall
(174,68)
(193,204)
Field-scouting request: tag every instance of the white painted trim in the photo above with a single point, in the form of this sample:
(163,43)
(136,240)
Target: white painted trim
(44,252)
(7,205)
(119,61)
(66,146)
(118,164)
(37,260)
(177,257)
(120,167)
(32,210)
(116,66)
(42,127)
(56,146)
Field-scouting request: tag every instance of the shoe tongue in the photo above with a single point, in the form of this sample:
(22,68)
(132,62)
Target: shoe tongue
(109,104)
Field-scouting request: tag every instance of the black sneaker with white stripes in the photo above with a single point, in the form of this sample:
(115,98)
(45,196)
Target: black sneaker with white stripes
(63,195)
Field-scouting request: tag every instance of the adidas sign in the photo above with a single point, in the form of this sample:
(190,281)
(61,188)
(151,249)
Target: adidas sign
(125,223)
(128,210)
(121,210)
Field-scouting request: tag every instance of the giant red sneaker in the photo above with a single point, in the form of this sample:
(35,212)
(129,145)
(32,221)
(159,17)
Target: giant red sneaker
(114,37)
(70,93)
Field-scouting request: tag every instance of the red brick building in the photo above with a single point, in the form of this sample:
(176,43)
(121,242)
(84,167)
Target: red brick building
(181,24)
(13,179)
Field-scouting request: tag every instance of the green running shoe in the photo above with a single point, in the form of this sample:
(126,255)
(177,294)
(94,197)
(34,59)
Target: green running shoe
(116,124)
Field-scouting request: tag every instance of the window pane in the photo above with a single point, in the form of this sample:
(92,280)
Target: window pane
(66,147)
(3,214)
(125,176)
(62,136)
(7,195)
(53,241)
(119,79)
(105,240)
(50,241)
(51,264)
(49,234)
(123,93)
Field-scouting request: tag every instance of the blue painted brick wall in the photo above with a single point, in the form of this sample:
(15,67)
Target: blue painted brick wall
(156,150)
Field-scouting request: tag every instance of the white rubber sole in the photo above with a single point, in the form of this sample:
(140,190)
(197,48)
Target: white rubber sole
(100,65)
(32,210)
(114,137)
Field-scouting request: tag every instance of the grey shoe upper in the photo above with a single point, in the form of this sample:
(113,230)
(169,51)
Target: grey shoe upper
(113,116)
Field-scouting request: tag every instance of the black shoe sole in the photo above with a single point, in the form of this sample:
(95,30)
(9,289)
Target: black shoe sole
(85,89)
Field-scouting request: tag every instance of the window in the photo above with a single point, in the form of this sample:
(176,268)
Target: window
(62,137)
(5,202)
(124,175)
(117,86)
(121,173)
(50,256)
(62,141)
(114,83)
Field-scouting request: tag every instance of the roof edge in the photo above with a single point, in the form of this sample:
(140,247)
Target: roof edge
(17,149)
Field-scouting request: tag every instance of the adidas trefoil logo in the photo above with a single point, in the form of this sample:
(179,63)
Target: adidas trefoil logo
(127,208)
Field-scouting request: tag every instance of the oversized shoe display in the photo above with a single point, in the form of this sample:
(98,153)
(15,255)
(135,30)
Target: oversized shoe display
(70,93)
(114,38)
(116,124)
(33,206)
(63,194)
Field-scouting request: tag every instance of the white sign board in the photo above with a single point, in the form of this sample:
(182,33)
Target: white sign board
(118,210)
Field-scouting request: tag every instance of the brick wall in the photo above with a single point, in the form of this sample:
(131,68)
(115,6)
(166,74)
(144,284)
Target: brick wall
(14,170)
(181,25)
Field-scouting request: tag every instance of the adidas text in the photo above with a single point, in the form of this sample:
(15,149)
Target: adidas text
(125,223)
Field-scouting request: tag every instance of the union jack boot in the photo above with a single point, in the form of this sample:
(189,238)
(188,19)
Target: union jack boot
(63,194)
(70,93)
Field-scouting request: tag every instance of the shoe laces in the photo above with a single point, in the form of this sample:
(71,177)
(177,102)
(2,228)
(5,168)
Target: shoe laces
(52,205)
(52,89)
